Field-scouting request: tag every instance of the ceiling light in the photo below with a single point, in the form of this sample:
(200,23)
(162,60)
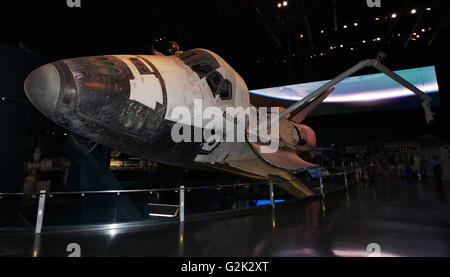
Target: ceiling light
(321,31)
(428,9)
(345,26)
(413,11)
(279,5)
(285,3)
(394,15)
(355,24)
(364,41)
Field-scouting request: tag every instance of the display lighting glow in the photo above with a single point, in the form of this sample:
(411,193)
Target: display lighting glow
(364,88)
(265,202)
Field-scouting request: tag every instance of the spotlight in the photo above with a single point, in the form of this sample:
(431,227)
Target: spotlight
(364,41)
(418,36)
(378,38)
(341,45)
(414,33)
(321,54)
(428,9)
(321,31)
(423,30)
(279,5)
(301,36)
(285,3)
(351,48)
(345,26)
(377,18)
(394,15)
(413,11)
(355,24)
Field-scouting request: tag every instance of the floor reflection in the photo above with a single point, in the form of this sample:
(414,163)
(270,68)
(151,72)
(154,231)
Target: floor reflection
(403,219)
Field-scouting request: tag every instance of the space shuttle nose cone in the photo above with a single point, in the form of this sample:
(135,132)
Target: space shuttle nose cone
(42,88)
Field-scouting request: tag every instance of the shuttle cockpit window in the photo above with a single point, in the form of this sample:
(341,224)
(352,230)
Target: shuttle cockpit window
(219,85)
(201,62)
(226,91)
(214,80)
(205,65)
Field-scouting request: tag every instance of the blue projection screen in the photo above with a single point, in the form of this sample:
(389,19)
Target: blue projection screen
(373,92)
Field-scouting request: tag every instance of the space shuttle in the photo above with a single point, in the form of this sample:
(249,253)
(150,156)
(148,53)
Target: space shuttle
(126,102)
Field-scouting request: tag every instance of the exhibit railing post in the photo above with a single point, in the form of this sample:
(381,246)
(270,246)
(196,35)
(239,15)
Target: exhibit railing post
(181,203)
(272,198)
(345,179)
(40,212)
(321,186)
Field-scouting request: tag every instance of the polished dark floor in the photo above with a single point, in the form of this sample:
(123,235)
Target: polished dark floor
(403,219)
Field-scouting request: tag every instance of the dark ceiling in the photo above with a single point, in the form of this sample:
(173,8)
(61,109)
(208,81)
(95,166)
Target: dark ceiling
(261,41)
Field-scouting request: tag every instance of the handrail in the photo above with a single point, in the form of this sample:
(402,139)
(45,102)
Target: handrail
(181,189)
(175,189)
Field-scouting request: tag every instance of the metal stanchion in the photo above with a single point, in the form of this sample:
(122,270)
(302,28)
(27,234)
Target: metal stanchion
(272,197)
(40,213)
(321,186)
(182,203)
(345,179)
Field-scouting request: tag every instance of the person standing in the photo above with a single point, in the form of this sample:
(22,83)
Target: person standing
(416,166)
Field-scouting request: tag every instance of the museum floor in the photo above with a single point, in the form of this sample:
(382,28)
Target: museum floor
(404,220)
